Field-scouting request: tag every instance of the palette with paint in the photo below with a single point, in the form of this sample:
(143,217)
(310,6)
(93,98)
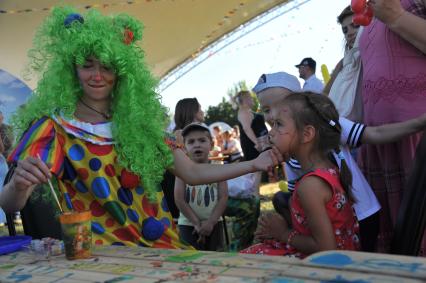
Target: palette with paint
(10,244)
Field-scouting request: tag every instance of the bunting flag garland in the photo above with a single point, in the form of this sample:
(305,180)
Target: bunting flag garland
(100,5)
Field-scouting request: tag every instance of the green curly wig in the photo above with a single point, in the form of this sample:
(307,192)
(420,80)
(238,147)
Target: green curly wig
(138,117)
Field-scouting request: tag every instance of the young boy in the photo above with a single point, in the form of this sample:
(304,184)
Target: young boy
(202,206)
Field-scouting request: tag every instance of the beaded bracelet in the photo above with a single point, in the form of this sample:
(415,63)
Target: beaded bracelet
(291,236)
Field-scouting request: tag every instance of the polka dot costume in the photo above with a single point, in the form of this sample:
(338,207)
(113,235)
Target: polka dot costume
(90,178)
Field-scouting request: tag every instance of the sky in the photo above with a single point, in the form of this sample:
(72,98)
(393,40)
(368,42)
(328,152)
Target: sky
(13,93)
(306,28)
(311,30)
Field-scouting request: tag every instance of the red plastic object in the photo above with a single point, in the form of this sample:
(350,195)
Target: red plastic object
(358,6)
(363,13)
(361,19)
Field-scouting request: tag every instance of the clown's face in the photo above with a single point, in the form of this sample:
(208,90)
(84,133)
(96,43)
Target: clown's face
(96,80)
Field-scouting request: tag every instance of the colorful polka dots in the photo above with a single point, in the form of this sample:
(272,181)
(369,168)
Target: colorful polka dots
(133,215)
(140,190)
(152,229)
(68,201)
(114,208)
(110,170)
(70,190)
(165,221)
(96,209)
(123,234)
(128,179)
(109,222)
(99,150)
(125,196)
(81,187)
(100,187)
(121,212)
(95,164)
(69,171)
(76,152)
(97,228)
(78,205)
(134,231)
(164,205)
(150,209)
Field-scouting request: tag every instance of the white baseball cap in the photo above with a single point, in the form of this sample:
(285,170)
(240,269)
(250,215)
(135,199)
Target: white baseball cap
(195,126)
(280,79)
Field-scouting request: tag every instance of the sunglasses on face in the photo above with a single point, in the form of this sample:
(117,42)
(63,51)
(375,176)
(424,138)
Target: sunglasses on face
(346,29)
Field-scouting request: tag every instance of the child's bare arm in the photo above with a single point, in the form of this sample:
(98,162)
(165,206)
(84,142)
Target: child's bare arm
(393,132)
(184,208)
(313,194)
(202,173)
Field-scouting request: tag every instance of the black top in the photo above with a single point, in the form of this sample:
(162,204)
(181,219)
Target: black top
(259,128)
(168,186)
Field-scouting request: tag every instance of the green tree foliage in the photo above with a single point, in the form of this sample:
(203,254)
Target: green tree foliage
(226,111)
(223,112)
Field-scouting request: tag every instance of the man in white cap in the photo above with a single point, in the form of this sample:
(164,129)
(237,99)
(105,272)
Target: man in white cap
(307,70)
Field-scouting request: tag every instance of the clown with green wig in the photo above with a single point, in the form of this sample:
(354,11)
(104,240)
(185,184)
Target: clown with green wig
(96,125)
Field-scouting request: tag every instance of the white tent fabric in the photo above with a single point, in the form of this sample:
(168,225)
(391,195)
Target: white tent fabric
(175,30)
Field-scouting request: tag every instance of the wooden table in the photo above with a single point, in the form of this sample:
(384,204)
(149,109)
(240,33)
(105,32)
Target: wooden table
(123,264)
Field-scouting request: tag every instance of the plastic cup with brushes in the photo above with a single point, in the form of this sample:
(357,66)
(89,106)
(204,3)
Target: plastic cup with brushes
(76,229)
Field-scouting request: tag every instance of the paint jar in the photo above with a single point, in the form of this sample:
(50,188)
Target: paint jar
(77,234)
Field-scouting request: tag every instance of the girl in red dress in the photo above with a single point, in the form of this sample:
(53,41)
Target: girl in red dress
(306,127)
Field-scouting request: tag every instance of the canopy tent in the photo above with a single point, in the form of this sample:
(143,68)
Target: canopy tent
(175,30)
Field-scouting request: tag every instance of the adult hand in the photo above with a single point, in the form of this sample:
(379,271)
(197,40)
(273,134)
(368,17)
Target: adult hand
(29,172)
(272,226)
(387,11)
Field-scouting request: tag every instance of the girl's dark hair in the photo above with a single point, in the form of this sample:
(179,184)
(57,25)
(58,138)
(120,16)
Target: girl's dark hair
(185,112)
(345,13)
(319,111)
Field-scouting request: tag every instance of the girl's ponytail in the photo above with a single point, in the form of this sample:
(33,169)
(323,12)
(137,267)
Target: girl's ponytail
(345,175)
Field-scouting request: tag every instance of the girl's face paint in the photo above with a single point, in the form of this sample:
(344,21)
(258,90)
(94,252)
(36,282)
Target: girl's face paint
(283,133)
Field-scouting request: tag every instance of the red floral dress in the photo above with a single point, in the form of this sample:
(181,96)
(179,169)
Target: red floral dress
(339,210)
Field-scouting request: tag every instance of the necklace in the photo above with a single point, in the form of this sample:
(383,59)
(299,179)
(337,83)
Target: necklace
(107,116)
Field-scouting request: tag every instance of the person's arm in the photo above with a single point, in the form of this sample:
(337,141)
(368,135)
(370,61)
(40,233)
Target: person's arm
(333,77)
(28,173)
(222,194)
(409,26)
(393,132)
(184,208)
(314,194)
(246,117)
(202,173)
